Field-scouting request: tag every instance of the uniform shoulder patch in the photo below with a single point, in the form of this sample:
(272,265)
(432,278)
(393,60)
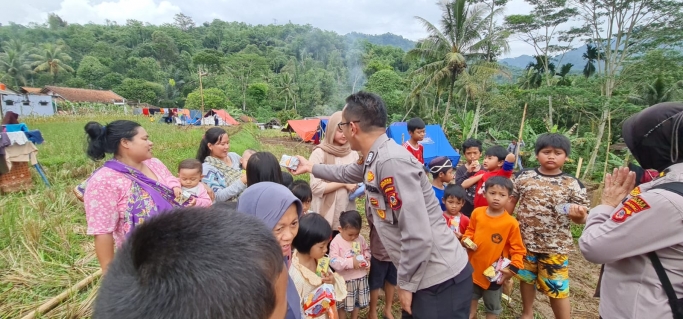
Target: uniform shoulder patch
(387,186)
(635,192)
(632,206)
(389,181)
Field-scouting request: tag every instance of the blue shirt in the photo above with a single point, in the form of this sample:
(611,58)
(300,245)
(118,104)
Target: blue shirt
(439,195)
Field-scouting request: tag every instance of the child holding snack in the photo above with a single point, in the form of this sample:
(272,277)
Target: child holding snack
(497,162)
(350,257)
(454,198)
(495,234)
(190,176)
(303,192)
(310,266)
(546,232)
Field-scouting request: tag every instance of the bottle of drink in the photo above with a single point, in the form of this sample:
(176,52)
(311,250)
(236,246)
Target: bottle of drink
(563,209)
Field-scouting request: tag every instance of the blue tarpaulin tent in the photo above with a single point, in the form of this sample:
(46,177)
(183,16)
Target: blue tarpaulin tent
(435,142)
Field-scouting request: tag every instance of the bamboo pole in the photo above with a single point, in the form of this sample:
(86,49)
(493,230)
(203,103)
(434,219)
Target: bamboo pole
(519,139)
(54,302)
(609,142)
(578,167)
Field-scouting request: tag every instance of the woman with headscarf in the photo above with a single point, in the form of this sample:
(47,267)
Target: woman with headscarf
(10,118)
(638,232)
(277,207)
(331,199)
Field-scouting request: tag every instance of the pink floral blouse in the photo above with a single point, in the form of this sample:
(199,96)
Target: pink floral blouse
(106,199)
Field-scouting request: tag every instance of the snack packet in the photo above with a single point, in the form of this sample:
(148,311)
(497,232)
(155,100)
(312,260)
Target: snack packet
(493,273)
(469,243)
(320,301)
(323,266)
(290,162)
(361,261)
(356,248)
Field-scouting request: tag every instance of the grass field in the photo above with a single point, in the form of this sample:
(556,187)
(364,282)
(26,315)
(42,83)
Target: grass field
(43,246)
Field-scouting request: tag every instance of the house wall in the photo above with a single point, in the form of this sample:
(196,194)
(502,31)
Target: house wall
(34,107)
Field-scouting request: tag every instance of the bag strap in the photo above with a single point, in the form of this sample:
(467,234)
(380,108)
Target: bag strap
(677,188)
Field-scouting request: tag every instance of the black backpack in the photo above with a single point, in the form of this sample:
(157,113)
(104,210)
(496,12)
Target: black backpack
(675,303)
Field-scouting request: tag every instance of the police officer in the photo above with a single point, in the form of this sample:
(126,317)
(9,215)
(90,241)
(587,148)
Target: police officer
(434,276)
(631,223)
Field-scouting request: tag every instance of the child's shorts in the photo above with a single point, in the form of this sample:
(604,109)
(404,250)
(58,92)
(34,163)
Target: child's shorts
(492,299)
(548,272)
(381,271)
(358,294)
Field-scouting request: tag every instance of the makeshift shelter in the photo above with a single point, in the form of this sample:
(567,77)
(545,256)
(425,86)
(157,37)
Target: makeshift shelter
(305,129)
(223,118)
(435,142)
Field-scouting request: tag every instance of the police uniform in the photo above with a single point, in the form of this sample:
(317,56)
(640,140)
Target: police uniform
(649,219)
(410,223)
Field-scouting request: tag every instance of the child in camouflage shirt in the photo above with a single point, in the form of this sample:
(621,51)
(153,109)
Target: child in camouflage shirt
(545,232)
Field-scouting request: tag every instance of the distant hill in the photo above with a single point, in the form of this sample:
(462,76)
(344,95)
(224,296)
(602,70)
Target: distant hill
(573,56)
(383,39)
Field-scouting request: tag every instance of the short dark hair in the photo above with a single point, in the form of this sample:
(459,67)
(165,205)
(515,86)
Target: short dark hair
(499,181)
(415,123)
(302,190)
(454,191)
(368,109)
(190,163)
(554,140)
(263,167)
(107,139)
(175,264)
(313,229)
(471,142)
(351,218)
(212,136)
(287,179)
(497,151)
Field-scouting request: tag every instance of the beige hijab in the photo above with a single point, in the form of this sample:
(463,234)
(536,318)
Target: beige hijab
(327,145)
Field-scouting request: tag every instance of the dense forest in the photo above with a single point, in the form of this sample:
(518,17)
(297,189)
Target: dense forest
(452,77)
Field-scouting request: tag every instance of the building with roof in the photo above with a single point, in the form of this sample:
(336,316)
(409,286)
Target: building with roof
(30,90)
(25,103)
(76,95)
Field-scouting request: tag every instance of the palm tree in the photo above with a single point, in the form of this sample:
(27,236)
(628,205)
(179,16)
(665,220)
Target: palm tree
(564,71)
(536,71)
(447,50)
(475,84)
(288,88)
(657,92)
(51,59)
(592,55)
(15,67)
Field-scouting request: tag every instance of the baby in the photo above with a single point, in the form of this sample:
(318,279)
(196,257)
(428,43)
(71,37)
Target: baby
(190,176)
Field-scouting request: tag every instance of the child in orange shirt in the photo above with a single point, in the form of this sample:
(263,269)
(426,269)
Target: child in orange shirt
(495,233)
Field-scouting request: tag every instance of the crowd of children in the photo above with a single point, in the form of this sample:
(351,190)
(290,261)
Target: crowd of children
(478,201)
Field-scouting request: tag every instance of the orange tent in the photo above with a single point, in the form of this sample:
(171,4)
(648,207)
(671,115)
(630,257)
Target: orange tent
(306,129)
(223,115)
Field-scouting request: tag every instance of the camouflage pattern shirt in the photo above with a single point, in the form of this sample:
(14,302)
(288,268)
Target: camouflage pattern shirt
(543,229)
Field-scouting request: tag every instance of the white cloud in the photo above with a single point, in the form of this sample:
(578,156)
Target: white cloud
(82,11)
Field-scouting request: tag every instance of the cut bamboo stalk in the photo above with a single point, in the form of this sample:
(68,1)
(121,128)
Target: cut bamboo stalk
(54,302)
(519,137)
(609,143)
(578,167)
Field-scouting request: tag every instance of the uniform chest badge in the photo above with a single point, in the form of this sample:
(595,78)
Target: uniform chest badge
(370,176)
(635,191)
(360,161)
(374,202)
(370,158)
(381,213)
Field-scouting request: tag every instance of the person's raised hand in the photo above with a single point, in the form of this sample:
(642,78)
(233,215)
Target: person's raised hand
(617,186)
(510,158)
(304,166)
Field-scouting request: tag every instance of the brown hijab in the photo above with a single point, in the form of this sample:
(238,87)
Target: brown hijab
(327,145)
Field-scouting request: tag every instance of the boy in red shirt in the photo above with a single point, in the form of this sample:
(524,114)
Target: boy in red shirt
(497,162)
(416,130)
(495,234)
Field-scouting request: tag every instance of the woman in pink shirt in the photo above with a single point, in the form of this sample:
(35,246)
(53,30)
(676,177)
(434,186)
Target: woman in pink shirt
(127,189)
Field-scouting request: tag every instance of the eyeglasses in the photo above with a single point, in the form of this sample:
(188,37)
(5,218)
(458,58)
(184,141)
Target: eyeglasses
(342,124)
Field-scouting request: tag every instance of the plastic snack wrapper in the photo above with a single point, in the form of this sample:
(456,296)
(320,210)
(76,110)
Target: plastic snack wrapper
(563,209)
(290,162)
(323,266)
(361,261)
(469,243)
(493,273)
(356,248)
(320,302)
(359,191)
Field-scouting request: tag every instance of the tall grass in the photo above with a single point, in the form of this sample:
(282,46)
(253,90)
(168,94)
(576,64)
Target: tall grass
(43,246)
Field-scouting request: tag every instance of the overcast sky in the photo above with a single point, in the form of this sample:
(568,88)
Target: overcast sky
(341,16)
